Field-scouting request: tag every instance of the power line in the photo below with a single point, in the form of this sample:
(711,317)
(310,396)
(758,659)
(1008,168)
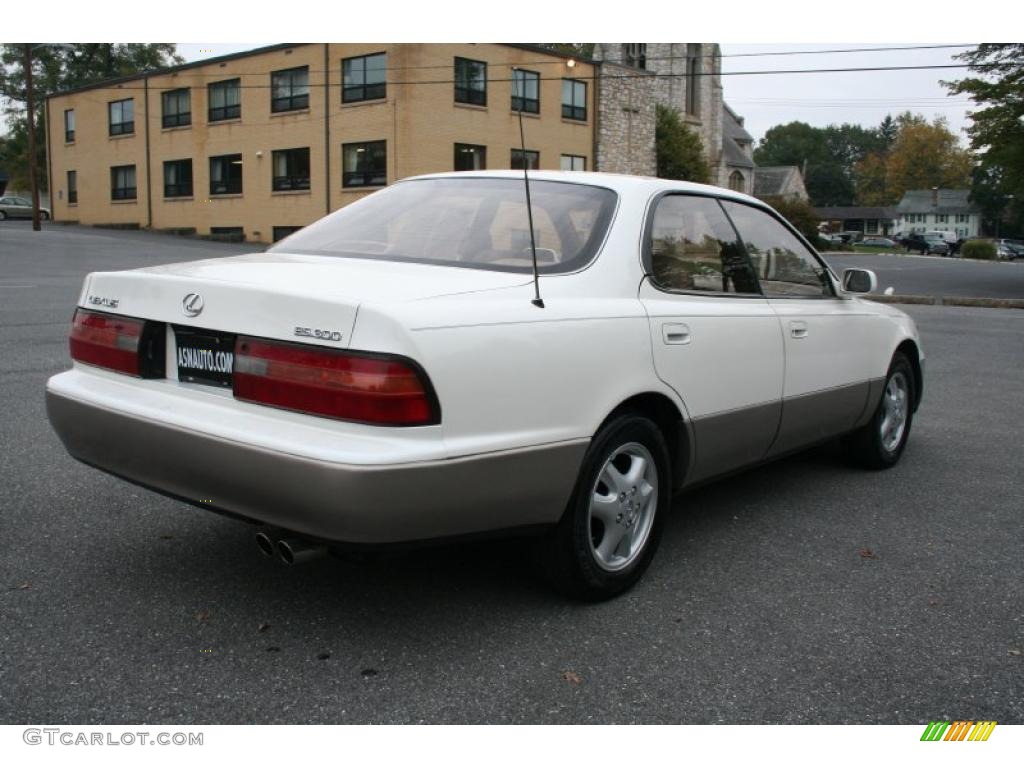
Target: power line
(645,75)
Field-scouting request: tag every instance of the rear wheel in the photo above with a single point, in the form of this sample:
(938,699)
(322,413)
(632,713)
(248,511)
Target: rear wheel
(3,215)
(44,216)
(612,525)
(880,443)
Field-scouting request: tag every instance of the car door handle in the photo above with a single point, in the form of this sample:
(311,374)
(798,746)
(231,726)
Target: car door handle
(798,329)
(675,333)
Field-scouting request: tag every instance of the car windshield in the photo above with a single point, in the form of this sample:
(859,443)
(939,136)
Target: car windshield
(470,222)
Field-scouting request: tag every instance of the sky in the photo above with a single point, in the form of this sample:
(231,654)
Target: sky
(863,98)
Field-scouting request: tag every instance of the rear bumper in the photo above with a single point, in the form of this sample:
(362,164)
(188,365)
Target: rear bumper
(367,504)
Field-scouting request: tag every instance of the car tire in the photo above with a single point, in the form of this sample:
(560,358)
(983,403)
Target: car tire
(880,443)
(613,522)
(3,215)
(44,216)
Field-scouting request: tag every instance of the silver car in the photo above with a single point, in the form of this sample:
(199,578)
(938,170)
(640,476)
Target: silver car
(19,208)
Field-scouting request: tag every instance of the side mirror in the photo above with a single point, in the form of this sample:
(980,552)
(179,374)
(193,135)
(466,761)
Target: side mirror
(859,281)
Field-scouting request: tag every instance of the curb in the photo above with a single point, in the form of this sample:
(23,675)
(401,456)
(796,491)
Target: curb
(948,301)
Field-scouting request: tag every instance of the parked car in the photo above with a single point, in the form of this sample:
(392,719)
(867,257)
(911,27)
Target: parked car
(19,208)
(389,374)
(925,245)
(878,242)
(1009,250)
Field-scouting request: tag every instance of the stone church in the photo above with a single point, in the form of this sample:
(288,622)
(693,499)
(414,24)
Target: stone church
(634,77)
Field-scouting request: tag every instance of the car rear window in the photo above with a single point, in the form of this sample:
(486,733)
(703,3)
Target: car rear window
(475,222)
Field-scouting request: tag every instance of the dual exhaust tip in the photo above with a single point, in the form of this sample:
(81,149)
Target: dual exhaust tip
(290,550)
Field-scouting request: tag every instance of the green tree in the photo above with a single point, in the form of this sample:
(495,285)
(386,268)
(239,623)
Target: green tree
(996,86)
(807,147)
(680,152)
(581,50)
(58,68)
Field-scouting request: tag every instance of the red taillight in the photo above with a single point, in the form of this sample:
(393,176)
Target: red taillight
(118,343)
(375,389)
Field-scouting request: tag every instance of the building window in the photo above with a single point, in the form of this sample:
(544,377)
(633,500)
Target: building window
(291,169)
(574,163)
(72,187)
(69,125)
(225,100)
(574,99)
(470,157)
(177,108)
(525,91)
(122,182)
(871,226)
(228,234)
(178,178)
(470,82)
(122,117)
(532,159)
(693,70)
(280,233)
(365,164)
(736,181)
(289,89)
(226,175)
(364,78)
(635,55)
(941,218)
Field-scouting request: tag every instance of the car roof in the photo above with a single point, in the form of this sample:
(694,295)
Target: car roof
(618,182)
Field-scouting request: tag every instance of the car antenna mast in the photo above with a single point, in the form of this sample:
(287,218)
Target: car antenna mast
(537,300)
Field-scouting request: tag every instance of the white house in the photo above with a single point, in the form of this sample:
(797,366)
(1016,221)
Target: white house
(944,210)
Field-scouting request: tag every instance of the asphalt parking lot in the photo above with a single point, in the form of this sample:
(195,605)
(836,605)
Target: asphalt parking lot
(800,592)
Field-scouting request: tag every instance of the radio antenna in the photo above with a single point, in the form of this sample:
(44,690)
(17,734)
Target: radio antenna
(537,300)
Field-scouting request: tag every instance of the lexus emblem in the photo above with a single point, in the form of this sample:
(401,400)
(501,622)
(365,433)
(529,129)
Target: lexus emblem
(192,304)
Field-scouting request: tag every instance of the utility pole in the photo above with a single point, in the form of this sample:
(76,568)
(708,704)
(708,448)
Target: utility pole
(30,98)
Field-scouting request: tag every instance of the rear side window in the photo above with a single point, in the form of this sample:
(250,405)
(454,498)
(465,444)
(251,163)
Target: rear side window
(693,247)
(784,265)
(479,223)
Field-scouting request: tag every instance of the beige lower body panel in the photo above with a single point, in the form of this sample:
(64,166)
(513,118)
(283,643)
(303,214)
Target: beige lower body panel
(339,502)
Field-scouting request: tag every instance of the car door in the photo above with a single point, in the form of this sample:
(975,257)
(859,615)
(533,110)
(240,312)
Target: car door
(715,339)
(829,341)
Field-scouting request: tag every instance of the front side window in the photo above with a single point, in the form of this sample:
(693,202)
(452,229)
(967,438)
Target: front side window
(291,169)
(122,117)
(574,99)
(225,100)
(122,182)
(470,82)
(468,222)
(177,106)
(364,164)
(178,178)
(69,125)
(574,163)
(72,187)
(470,157)
(531,156)
(226,175)
(693,247)
(289,89)
(364,78)
(784,266)
(525,91)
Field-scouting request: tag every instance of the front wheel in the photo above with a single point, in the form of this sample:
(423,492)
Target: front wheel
(880,443)
(44,216)
(612,525)
(3,215)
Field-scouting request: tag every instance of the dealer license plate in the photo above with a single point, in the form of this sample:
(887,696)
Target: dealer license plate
(205,357)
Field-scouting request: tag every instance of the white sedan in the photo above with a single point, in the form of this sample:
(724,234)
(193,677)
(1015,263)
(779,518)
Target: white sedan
(388,375)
